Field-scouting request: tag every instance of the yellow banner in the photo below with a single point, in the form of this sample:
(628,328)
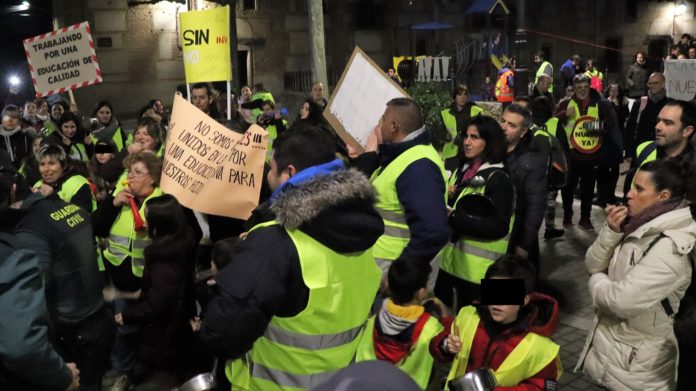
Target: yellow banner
(205,41)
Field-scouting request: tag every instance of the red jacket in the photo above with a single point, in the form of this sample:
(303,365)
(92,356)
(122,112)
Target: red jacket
(540,317)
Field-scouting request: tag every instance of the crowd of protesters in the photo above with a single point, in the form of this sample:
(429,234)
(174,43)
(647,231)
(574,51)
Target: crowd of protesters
(391,251)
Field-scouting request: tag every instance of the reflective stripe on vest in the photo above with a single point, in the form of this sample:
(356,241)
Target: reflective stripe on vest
(450,149)
(540,71)
(469,258)
(272,135)
(396,232)
(652,156)
(592,111)
(70,187)
(418,363)
(78,152)
(124,241)
(306,349)
(530,356)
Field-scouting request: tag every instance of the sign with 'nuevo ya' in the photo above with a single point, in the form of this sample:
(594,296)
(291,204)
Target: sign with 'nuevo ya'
(210,168)
(62,60)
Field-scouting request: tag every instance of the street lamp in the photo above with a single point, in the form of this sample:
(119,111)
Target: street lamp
(14,80)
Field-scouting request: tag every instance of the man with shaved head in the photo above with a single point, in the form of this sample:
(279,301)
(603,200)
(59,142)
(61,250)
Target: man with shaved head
(409,177)
(640,126)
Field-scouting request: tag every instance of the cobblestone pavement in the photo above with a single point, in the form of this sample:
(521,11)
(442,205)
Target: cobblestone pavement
(563,268)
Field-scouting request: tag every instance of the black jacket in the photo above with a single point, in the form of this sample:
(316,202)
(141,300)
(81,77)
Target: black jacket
(641,124)
(165,305)
(527,166)
(265,278)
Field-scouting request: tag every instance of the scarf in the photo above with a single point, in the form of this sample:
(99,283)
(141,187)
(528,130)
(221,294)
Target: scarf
(107,133)
(471,170)
(306,175)
(393,318)
(648,214)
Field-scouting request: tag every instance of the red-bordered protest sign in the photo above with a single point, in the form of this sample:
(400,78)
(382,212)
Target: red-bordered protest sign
(62,60)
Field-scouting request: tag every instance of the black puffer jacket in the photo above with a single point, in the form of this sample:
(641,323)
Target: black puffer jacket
(265,277)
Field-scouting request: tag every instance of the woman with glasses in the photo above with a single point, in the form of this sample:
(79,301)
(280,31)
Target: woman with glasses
(121,219)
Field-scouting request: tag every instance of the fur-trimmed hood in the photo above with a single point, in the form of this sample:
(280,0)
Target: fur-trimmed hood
(336,209)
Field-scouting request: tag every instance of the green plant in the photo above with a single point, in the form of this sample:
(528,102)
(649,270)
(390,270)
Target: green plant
(433,98)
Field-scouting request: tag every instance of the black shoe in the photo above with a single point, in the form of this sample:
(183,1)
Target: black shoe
(553,233)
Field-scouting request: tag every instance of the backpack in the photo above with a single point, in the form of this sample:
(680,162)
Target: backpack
(557,171)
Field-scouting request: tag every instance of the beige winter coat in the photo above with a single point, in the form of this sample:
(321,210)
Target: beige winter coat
(632,345)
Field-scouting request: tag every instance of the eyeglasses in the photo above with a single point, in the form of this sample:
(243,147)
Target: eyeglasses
(137,173)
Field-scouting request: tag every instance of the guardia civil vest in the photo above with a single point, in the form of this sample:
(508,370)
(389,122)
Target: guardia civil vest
(418,363)
(396,232)
(540,71)
(117,139)
(469,258)
(124,241)
(529,357)
(583,132)
(70,187)
(263,95)
(503,92)
(305,350)
(451,149)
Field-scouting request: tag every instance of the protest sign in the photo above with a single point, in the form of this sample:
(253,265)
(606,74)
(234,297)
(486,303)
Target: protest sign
(210,168)
(205,43)
(680,79)
(62,60)
(360,98)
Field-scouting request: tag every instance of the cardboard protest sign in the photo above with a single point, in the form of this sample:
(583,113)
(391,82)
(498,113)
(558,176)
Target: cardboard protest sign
(205,42)
(360,98)
(210,168)
(62,60)
(680,79)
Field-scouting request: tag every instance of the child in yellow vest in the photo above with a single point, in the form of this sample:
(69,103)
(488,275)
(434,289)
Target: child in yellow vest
(509,340)
(402,330)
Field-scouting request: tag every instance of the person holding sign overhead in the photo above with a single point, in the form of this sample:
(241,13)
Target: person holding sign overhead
(410,180)
(587,119)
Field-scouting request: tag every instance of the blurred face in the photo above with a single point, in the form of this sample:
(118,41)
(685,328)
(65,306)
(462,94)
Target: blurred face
(69,129)
(246,92)
(56,111)
(473,143)
(537,59)
(9,121)
(30,110)
(640,59)
(387,124)
(158,106)
(656,84)
(139,180)
(36,145)
(643,193)
(590,64)
(50,169)
(692,53)
(569,91)
(200,99)
(669,131)
(390,72)
(318,91)
(582,90)
(143,137)
(614,91)
(544,84)
(461,99)
(304,111)
(104,115)
(512,124)
(43,108)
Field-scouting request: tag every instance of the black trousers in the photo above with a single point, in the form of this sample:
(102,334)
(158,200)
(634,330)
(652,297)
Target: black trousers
(88,344)
(584,174)
(607,178)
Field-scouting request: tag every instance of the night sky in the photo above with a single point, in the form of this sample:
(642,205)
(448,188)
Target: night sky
(16,26)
